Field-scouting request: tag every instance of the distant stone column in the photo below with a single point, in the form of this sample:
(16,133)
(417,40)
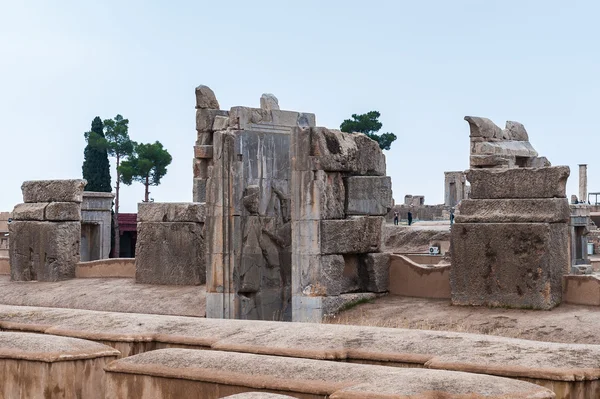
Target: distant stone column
(583,183)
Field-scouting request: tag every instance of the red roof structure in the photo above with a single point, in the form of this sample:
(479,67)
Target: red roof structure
(127,222)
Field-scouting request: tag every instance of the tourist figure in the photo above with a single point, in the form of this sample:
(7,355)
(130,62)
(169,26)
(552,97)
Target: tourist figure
(396,218)
(409,218)
(451,217)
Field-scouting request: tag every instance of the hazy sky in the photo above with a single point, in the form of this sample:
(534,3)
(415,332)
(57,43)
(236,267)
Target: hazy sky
(423,64)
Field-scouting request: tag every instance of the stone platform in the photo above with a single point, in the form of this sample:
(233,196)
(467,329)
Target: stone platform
(106,294)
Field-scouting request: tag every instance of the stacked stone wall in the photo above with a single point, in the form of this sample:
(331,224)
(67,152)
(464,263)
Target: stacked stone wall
(46,231)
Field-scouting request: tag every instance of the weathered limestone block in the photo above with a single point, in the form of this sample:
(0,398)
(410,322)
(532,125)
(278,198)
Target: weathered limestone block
(374,272)
(538,162)
(170,253)
(220,123)
(519,265)
(205,119)
(545,210)
(43,251)
(354,153)
(504,148)
(516,131)
(518,182)
(63,211)
(53,190)
(269,102)
(49,366)
(203,151)
(171,212)
(258,395)
(483,128)
(53,211)
(339,276)
(244,117)
(489,161)
(205,98)
(31,211)
(199,190)
(351,236)
(369,195)
(318,195)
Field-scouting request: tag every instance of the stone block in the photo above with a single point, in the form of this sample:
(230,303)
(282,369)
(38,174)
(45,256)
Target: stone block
(205,119)
(354,153)
(170,253)
(203,151)
(43,251)
(269,102)
(490,161)
(504,148)
(205,98)
(368,195)
(306,237)
(518,182)
(351,236)
(171,212)
(483,128)
(201,168)
(220,123)
(32,211)
(545,210)
(204,137)
(339,276)
(374,272)
(53,190)
(199,190)
(63,211)
(332,194)
(517,265)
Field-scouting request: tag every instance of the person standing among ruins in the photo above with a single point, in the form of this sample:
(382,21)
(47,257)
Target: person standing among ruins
(409,218)
(451,217)
(396,218)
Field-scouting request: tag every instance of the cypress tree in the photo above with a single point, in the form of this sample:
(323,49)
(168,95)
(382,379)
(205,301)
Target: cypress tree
(96,168)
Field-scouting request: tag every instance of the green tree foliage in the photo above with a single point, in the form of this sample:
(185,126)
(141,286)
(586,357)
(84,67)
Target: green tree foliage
(96,168)
(369,125)
(147,165)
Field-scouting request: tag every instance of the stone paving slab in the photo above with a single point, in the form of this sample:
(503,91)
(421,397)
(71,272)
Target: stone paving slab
(434,349)
(108,294)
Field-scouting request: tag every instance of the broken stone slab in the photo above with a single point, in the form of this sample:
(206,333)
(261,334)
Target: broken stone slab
(170,253)
(203,151)
(368,195)
(53,190)
(205,119)
(205,98)
(351,236)
(246,118)
(491,161)
(547,210)
(269,102)
(518,183)
(483,127)
(171,212)
(354,153)
(516,265)
(516,131)
(374,272)
(220,123)
(43,251)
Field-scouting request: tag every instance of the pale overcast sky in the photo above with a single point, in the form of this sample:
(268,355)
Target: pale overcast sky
(423,64)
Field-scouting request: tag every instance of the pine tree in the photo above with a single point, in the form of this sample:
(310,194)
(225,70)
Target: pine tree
(96,168)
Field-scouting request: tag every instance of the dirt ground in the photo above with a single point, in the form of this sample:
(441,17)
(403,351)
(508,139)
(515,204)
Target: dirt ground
(567,323)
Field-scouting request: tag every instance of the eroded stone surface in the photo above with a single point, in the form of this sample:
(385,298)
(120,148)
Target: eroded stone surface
(53,190)
(269,102)
(171,212)
(351,236)
(369,195)
(205,98)
(508,264)
(44,251)
(170,253)
(518,182)
(545,210)
(375,272)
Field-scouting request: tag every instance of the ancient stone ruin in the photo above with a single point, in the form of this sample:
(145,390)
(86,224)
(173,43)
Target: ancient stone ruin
(510,240)
(46,231)
(96,225)
(170,246)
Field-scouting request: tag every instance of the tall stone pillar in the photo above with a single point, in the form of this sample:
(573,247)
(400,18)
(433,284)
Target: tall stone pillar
(583,183)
